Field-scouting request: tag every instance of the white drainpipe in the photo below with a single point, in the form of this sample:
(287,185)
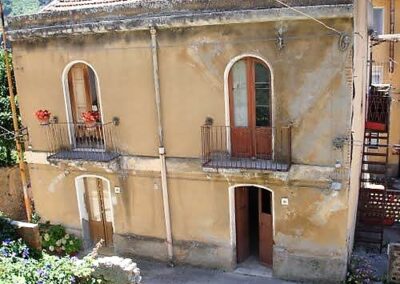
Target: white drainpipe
(161,149)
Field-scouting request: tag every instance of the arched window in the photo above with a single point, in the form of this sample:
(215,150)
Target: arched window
(83,93)
(250,109)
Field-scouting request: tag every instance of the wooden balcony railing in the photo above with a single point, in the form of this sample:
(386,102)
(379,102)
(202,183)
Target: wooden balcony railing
(76,141)
(267,149)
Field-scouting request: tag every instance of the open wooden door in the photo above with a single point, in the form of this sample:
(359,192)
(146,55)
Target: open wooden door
(250,109)
(83,95)
(242,223)
(266,227)
(98,206)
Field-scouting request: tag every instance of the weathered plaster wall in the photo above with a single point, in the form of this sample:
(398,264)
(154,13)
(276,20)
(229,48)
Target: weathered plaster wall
(310,228)
(361,83)
(192,65)
(11,195)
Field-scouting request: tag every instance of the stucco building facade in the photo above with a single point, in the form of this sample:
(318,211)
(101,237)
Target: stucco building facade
(386,70)
(223,128)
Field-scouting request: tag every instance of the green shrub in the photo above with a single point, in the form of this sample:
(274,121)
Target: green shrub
(13,249)
(7,231)
(47,270)
(56,241)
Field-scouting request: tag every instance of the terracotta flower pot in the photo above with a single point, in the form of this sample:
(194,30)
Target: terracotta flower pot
(90,124)
(44,121)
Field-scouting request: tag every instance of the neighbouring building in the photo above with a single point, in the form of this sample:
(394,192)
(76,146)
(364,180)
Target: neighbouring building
(379,196)
(385,69)
(201,132)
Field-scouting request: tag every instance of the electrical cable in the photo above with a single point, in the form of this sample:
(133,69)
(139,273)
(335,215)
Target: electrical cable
(310,17)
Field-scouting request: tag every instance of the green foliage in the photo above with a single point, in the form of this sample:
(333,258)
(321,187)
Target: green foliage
(56,241)
(23,7)
(20,264)
(7,231)
(7,143)
(47,270)
(14,249)
(35,218)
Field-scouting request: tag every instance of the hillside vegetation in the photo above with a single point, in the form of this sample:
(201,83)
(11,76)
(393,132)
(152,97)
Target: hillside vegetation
(21,7)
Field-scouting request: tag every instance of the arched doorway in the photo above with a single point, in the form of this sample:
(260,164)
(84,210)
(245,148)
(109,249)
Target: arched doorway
(254,224)
(84,107)
(250,108)
(95,209)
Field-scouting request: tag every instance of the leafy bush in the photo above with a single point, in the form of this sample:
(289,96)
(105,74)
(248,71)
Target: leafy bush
(7,142)
(56,241)
(47,270)
(14,249)
(7,231)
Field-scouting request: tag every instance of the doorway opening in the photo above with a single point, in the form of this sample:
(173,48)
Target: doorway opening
(254,225)
(98,206)
(250,105)
(85,114)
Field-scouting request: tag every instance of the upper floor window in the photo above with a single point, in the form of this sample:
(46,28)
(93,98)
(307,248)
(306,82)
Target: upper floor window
(377,75)
(379,23)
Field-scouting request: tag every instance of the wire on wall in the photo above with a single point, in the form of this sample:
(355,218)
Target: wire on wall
(310,17)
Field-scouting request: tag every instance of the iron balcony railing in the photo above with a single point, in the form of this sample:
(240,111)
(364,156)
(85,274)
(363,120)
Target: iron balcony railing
(77,141)
(253,148)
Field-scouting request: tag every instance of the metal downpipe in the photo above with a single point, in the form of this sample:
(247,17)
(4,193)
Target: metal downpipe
(161,149)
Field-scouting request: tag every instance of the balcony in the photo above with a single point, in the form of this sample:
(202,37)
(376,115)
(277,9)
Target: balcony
(78,142)
(259,148)
(378,111)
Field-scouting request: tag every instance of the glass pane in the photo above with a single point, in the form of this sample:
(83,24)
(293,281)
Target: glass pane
(93,89)
(239,82)
(262,98)
(262,116)
(262,88)
(378,20)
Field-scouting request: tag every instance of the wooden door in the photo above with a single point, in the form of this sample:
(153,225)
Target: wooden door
(79,91)
(265,227)
(242,224)
(83,98)
(250,109)
(262,119)
(98,206)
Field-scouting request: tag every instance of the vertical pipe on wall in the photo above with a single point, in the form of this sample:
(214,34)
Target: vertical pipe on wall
(392,30)
(161,149)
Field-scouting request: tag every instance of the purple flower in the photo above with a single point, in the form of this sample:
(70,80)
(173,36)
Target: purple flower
(25,253)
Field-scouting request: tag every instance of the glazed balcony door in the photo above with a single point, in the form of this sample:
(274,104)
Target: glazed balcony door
(83,98)
(250,108)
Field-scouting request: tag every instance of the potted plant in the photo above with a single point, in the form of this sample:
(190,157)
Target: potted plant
(43,116)
(90,118)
